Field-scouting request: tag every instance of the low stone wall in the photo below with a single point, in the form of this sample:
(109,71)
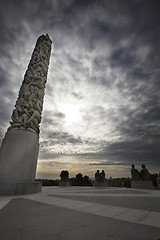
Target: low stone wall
(142,184)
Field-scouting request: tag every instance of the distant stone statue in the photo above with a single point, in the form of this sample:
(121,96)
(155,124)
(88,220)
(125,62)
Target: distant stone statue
(97,176)
(145,175)
(111,182)
(64,176)
(141,180)
(135,173)
(102,176)
(100,180)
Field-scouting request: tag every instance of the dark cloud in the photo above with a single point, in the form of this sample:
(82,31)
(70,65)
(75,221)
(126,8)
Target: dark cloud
(54,141)
(62,138)
(77,95)
(122,57)
(108,164)
(52,118)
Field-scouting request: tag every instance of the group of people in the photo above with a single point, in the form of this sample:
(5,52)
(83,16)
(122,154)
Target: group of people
(100,176)
(142,175)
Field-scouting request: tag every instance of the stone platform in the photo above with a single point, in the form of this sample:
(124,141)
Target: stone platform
(100,184)
(142,184)
(64,184)
(20,188)
(81,213)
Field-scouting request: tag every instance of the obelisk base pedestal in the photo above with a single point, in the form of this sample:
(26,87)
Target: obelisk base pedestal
(20,188)
(18,161)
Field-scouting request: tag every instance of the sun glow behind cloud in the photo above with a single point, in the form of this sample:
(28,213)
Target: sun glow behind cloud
(73,113)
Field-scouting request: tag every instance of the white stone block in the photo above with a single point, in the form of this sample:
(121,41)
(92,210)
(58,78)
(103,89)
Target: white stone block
(18,156)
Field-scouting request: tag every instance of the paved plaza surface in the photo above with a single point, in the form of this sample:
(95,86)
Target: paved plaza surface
(81,213)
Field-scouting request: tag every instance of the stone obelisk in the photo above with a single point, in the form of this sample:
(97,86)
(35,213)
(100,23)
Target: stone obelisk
(20,146)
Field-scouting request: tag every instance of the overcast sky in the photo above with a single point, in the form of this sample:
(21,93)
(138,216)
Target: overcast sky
(102,101)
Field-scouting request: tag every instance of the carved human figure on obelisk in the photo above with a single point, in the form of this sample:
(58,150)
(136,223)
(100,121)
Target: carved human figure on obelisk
(19,150)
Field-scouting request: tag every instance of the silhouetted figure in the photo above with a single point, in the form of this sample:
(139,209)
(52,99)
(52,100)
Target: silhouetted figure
(135,173)
(64,176)
(145,175)
(141,180)
(97,176)
(102,176)
(100,180)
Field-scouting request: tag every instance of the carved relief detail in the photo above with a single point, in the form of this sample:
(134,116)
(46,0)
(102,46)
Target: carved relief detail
(28,108)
